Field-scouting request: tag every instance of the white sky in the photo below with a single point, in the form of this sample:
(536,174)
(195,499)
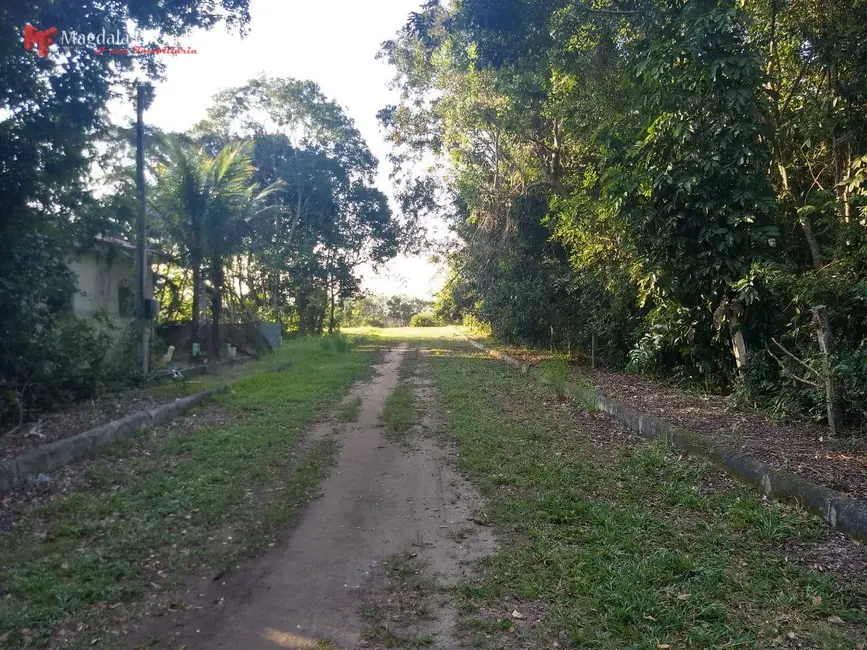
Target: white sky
(331,42)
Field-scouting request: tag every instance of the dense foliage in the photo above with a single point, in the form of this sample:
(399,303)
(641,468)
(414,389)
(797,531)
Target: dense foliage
(265,210)
(374,310)
(53,112)
(301,258)
(681,181)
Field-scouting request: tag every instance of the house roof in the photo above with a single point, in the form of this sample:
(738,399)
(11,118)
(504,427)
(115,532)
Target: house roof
(114,241)
(123,244)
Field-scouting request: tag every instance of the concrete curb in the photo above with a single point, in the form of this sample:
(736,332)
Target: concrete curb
(203,369)
(522,367)
(849,516)
(54,455)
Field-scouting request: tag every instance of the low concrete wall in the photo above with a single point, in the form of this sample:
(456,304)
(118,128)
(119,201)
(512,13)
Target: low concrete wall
(62,452)
(244,337)
(523,367)
(203,369)
(55,455)
(846,515)
(272,332)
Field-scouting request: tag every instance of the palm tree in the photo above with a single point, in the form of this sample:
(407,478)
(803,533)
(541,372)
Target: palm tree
(206,203)
(236,202)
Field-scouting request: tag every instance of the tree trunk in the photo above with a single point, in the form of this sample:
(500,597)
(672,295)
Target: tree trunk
(806,225)
(321,309)
(217,279)
(331,322)
(592,351)
(330,294)
(826,344)
(196,263)
(301,303)
(812,242)
(739,345)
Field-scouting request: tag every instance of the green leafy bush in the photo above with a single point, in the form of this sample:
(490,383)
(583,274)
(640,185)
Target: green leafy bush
(61,362)
(335,342)
(425,319)
(554,376)
(340,343)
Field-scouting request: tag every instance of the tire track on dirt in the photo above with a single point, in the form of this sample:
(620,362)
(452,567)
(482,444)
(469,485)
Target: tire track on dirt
(380,500)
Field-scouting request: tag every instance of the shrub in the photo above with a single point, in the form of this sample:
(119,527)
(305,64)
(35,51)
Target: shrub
(63,360)
(425,319)
(121,367)
(334,343)
(340,342)
(554,375)
(476,326)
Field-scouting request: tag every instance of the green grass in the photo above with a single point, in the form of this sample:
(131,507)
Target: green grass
(395,619)
(349,411)
(553,375)
(400,410)
(405,333)
(617,544)
(168,389)
(174,503)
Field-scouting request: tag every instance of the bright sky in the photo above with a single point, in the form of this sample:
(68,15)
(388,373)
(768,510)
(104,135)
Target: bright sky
(331,42)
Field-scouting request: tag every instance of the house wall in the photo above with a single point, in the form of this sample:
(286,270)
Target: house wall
(237,334)
(100,277)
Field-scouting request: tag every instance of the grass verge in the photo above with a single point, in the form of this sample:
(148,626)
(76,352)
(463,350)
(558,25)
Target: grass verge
(614,543)
(173,503)
(400,410)
(395,618)
(349,411)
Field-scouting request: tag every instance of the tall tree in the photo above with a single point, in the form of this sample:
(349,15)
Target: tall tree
(206,204)
(54,109)
(685,180)
(331,218)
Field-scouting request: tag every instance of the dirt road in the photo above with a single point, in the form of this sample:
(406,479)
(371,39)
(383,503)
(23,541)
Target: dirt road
(386,505)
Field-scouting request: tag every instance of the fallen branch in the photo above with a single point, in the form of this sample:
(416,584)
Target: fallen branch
(803,363)
(788,372)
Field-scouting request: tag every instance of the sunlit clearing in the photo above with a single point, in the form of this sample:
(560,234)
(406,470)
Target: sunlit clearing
(290,641)
(406,333)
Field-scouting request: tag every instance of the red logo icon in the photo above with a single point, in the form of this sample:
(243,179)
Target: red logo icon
(41,40)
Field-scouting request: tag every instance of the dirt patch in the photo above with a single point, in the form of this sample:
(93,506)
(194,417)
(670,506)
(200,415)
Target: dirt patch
(75,477)
(83,416)
(515,625)
(381,500)
(405,607)
(834,553)
(799,447)
(74,420)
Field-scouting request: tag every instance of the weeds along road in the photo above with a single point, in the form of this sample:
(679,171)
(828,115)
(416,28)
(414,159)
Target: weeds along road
(387,504)
(442,500)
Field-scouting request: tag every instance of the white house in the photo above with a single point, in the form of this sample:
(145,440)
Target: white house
(105,273)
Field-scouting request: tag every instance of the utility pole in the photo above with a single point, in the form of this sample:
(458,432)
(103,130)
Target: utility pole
(143,302)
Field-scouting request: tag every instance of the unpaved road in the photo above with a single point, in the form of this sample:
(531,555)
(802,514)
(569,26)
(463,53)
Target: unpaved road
(381,499)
